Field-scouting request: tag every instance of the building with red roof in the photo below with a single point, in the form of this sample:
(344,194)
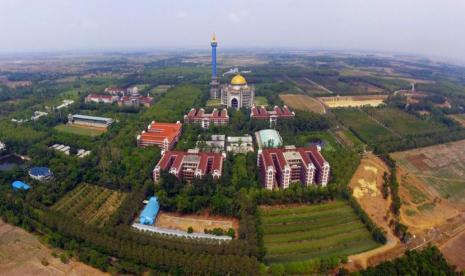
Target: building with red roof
(100,98)
(217,118)
(261,113)
(163,135)
(279,167)
(135,101)
(186,165)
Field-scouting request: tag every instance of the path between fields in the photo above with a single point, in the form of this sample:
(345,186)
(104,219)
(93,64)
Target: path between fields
(319,85)
(381,124)
(361,260)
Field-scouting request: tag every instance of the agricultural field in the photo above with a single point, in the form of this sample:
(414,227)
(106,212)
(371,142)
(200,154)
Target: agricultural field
(310,87)
(353,101)
(453,251)
(303,102)
(21,253)
(198,222)
(367,129)
(376,125)
(91,204)
(348,138)
(403,123)
(80,130)
(441,167)
(313,231)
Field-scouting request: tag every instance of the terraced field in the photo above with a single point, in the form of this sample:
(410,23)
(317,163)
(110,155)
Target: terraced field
(91,204)
(313,231)
(404,123)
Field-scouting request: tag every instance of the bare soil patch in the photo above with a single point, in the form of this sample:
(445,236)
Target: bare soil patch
(453,250)
(366,185)
(353,101)
(21,253)
(303,102)
(198,222)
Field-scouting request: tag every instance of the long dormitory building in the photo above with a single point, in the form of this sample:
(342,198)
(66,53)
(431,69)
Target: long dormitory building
(279,167)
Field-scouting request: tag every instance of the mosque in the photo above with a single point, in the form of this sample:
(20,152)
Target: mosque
(237,94)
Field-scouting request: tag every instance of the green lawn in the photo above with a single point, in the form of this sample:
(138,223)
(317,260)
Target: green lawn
(260,100)
(79,130)
(159,89)
(313,231)
(213,103)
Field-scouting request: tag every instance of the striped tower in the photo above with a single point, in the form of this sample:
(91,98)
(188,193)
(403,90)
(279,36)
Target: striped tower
(214,84)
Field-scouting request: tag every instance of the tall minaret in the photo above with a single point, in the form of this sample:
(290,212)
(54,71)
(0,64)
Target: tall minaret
(214,44)
(214,85)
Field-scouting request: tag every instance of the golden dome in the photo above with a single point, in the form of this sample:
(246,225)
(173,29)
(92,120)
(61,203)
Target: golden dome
(238,80)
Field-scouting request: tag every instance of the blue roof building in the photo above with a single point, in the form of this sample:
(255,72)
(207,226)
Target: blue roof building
(40,173)
(150,212)
(19,185)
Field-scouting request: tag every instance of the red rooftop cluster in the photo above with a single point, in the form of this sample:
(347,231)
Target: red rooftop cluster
(186,165)
(217,118)
(279,167)
(163,135)
(277,113)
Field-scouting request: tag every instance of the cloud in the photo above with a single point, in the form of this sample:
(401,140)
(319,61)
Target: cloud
(234,17)
(181,14)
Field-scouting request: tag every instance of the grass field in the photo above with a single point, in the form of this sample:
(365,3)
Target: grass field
(159,89)
(303,102)
(460,118)
(91,204)
(368,129)
(376,125)
(260,100)
(313,231)
(214,103)
(80,130)
(404,123)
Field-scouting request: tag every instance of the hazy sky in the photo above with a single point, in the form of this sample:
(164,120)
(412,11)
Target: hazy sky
(430,27)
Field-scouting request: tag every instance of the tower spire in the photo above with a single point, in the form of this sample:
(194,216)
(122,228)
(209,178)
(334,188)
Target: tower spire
(214,37)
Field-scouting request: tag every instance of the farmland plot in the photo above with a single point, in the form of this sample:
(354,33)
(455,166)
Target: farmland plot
(91,204)
(313,231)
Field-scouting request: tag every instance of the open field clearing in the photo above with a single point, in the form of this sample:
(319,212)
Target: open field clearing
(91,204)
(160,89)
(353,101)
(442,167)
(366,185)
(432,184)
(260,100)
(214,103)
(367,129)
(303,102)
(375,125)
(81,130)
(453,251)
(21,253)
(404,123)
(313,231)
(198,222)
(460,118)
